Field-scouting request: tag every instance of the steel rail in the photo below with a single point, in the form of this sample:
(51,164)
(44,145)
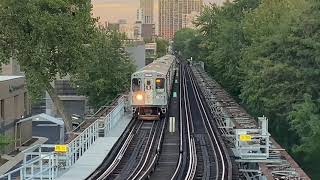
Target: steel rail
(207,124)
(152,165)
(178,167)
(121,153)
(227,157)
(145,152)
(192,150)
(209,133)
(155,158)
(219,120)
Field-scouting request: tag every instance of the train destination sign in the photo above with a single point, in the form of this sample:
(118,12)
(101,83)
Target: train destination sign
(62,148)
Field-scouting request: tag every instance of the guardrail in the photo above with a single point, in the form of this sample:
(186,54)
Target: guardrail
(42,162)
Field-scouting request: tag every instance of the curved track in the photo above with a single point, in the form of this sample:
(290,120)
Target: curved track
(137,153)
(201,152)
(192,153)
(207,160)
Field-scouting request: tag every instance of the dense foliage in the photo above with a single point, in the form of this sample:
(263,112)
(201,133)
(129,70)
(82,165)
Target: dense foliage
(107,71)
(46,37)
(51,38)
(187,42)
(266,53)
(162,46)
(4,142)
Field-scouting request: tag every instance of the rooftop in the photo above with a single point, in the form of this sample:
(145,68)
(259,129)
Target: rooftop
(6,78)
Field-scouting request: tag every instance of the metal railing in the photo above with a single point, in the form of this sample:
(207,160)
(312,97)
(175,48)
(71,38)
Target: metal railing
(41,162)
(114,116)
(38,163)
(78,146)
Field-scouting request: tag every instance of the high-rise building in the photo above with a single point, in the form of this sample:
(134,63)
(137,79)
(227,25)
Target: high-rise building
(123,27)
(144,27)
(188,19)
(140,15)
(172,14)
(147,7)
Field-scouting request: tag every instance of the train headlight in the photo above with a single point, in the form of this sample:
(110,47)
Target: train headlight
(139,97)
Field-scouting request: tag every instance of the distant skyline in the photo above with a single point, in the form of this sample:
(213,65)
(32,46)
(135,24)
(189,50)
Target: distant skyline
(113,10)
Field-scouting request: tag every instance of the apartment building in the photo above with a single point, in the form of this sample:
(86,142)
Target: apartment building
(172,14)
(146,8)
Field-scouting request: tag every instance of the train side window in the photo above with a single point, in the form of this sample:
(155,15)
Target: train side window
(160,83)
(136,84)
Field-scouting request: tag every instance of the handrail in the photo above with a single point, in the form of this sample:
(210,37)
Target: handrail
(86,138)
(39,158)
(76,147)
(98,111)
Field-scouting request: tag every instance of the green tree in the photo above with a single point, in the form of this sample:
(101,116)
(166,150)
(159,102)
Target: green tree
(273,77)
(305,120)
(47,38)
(162,46)
(189,43)
(181,38)
(267,54)
(107,71)
(223,40)
(194,47)
(4,142)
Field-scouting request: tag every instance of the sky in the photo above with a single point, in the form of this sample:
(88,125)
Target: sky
(112,10)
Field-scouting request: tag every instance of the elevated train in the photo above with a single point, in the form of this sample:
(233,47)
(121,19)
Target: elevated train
(151,88)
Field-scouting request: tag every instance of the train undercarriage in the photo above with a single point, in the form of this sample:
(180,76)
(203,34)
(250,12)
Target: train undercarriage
(149,113)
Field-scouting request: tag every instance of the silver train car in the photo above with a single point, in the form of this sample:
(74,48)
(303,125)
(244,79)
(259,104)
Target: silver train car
(151,88)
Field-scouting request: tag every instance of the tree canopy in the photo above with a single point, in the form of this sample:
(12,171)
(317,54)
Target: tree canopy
(162,46)
(47,38)
(52,38)
(107,71)
(266,54)
(187,42)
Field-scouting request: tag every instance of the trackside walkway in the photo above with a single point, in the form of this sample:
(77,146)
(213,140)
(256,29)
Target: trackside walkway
(94,156)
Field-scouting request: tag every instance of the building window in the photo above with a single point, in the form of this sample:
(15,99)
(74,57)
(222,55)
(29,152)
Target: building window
(2,109)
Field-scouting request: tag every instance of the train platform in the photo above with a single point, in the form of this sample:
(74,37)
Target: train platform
(95,155)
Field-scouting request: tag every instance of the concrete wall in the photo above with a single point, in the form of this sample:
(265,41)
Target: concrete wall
(73,104)
(11,69)
(15,106)
(138,53)
(147,31)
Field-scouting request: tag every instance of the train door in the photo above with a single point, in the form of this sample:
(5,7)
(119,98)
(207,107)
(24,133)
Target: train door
(148,89)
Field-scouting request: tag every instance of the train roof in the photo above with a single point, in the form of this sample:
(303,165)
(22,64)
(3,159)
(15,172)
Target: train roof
(160,65)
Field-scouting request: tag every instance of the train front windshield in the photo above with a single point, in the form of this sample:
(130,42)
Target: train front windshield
(136,84)
(160,84)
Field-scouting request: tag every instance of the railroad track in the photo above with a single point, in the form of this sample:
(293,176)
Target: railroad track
(200,153)
(207,159)
(170,156)
(137,154)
